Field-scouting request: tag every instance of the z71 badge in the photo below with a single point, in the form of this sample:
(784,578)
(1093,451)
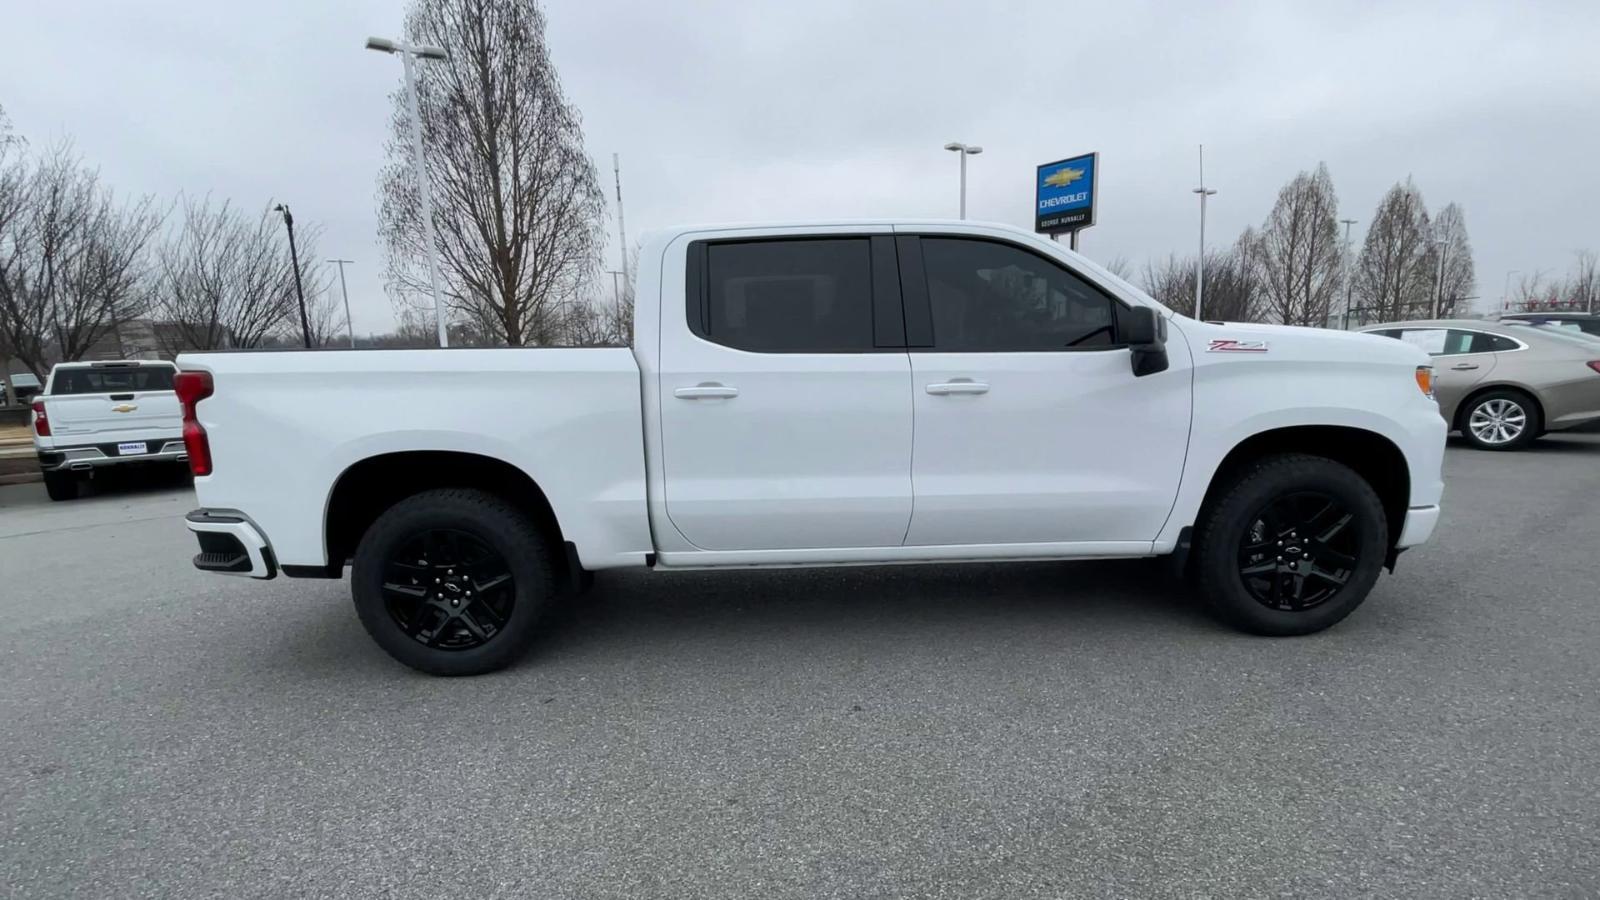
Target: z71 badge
(1225,345)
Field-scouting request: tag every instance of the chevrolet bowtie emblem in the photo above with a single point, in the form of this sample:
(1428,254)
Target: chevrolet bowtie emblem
(124,407)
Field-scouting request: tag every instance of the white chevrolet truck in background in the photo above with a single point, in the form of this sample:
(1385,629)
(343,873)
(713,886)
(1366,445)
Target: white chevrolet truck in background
(817,395)
(94,415)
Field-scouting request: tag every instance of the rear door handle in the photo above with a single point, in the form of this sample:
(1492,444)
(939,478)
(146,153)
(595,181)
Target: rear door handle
(1462,367)
(705,392)
(958,387)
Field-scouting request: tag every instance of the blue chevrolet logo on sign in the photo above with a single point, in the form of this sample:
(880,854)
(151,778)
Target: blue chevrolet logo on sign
(1064,194)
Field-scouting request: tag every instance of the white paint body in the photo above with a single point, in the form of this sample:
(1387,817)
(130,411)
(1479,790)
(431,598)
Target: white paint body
(707,456)
(87,428)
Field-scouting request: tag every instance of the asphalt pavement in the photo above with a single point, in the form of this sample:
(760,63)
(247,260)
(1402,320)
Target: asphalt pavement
(1033,730)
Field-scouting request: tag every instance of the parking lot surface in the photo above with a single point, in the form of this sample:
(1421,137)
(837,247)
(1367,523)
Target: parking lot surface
(1043,730)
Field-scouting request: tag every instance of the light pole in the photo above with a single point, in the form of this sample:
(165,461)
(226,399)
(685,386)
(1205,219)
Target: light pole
(349,326)
(1438,280)
(1348,283)
(294,260)
(1200,264)
(1505,293)
(616,290)
(407,52)
(964,151)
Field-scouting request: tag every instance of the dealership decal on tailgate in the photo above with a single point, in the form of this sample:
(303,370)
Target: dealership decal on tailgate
(1227,345)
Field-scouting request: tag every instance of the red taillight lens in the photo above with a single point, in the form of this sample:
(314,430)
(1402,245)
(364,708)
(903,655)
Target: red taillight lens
(191,388)
(1593,364)
(41,421)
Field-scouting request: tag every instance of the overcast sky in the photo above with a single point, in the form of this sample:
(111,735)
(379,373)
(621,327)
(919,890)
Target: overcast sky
(742,110)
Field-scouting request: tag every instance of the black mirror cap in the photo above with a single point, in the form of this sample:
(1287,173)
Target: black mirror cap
(1145,333)
(1139,326)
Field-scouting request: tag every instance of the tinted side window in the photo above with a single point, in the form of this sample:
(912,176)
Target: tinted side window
(789,296)
(991,296)
(1491,343)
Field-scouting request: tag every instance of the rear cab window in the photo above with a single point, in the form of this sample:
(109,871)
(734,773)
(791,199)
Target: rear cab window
(796,295)
(112,380)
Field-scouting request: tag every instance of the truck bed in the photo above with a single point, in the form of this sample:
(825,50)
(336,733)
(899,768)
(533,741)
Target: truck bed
(284,426)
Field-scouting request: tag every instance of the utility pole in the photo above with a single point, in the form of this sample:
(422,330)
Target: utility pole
(294,260)
(1349,284)
(1505,293)
(1438,281)
(349,326)
(622,233)
(1200,264)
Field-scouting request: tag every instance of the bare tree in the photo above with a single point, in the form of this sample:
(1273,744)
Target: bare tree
(1393,278)
(1583,287)
(1231,293)
(1297,252)
(225,280)
(12,178)
(1120,266)
(518,206)
(74,261)
(1454,289)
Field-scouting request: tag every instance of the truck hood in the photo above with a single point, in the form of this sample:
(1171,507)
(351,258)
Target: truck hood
(1212,341)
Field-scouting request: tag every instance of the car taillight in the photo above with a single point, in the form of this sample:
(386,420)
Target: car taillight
(191,388)
(1593,364)
(41,420)
(1425,379)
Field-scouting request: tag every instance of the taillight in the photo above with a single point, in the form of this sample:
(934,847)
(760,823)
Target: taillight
(191,388)
(1593,364)
(41,420)
(1425,379)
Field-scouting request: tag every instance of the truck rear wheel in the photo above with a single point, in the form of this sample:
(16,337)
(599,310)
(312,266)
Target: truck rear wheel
(452,581)
(61,485)
(1291,547)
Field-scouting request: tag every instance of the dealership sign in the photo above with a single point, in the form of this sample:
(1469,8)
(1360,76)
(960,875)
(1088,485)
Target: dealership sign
(1064,194)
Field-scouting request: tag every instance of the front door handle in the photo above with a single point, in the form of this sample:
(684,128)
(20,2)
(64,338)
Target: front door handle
(958,387)
(1462,367)
(706,391)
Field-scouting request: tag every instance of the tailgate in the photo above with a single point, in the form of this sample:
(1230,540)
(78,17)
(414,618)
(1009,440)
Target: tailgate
(102,417)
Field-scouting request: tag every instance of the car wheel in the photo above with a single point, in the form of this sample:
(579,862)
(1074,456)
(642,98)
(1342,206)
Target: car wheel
(452,582)
(1501,420)
(1291,547)
(61,485)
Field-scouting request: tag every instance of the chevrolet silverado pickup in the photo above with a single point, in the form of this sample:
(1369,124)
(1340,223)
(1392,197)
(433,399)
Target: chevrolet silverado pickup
(92,415)
(821,394)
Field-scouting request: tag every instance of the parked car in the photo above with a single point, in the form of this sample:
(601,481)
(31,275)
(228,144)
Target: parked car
(1587,323)
(98,414)
(25,386)
(764,418)
(1503,384)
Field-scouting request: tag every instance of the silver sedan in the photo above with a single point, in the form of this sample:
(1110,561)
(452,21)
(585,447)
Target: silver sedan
(1502,384)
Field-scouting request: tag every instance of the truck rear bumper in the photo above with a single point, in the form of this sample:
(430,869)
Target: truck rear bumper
(92,456)
(230,545)
(1418,527)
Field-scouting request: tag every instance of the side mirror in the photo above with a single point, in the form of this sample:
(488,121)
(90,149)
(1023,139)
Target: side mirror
(1145,333)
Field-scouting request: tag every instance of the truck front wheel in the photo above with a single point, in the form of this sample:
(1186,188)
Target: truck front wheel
(452,581)
(1292,546)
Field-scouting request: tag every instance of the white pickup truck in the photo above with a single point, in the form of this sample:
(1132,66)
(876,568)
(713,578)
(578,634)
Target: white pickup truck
(820,395)
(92,415)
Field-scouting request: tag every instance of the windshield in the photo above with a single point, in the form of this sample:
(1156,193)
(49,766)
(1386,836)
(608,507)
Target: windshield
(112,380)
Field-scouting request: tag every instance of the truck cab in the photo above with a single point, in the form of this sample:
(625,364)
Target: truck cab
(823,394)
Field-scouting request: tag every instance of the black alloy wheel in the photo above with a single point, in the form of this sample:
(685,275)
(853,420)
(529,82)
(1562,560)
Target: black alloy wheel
(1299,551)
(448,590)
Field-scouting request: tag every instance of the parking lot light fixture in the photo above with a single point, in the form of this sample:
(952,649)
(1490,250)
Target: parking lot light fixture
(964,151)
(407,52)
